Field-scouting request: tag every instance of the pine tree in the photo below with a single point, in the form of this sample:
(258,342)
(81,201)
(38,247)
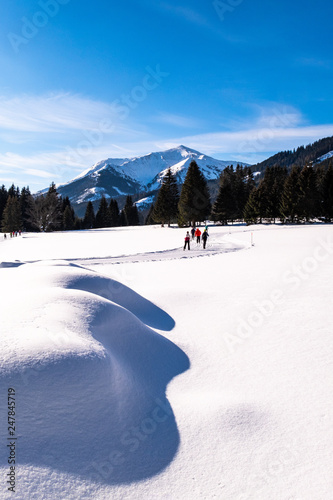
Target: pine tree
(68,218)
(113,213)
(89,217)
(65,202)
(326,195)
(234,191)
(131,212)
(290,196)
(249,184)
(68,214)
(12,219)
(13,191)
(272,189)
(103,215)
(194,202)
(26,204)
(308,202)
(166,205)
(3,200)
(149,219)
(225,206)
(255,207)
(241,179)
(78,223)
(52,207)
(122,218)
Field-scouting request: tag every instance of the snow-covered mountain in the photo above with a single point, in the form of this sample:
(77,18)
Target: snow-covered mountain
(114,177)
(179,159)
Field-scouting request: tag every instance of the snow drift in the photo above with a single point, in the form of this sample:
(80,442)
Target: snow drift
(89,372)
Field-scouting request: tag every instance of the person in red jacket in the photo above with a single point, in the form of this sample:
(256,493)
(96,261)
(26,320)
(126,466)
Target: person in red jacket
(187,240)
(197,234)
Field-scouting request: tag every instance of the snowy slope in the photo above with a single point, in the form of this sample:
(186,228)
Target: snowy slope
(144,168)
(113,177)
(210,167)
(324,157)
(143,371)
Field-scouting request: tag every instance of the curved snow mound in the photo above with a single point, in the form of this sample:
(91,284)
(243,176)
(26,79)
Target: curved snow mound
(89,374)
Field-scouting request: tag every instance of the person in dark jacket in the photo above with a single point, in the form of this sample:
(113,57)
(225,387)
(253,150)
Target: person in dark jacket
(204,237)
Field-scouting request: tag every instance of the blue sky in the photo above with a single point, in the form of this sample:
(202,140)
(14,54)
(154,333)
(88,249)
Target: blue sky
(82,81)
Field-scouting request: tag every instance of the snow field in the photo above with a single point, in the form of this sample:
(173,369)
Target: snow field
(123,243)
(250,410)
(171,377)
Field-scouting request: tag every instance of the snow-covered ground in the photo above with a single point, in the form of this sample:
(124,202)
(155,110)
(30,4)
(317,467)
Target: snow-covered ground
(143,371)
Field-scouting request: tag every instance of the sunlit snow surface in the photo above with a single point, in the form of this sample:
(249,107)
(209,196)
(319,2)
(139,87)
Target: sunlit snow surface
(145,371)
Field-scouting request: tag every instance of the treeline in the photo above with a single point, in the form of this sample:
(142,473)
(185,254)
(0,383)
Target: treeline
(303,155)
(109,215)
(300,195)
(193,204)
(20,210)
(303,194)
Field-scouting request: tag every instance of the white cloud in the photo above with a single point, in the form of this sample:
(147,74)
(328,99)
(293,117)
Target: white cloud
(34,165)
(271,132)
(186,13)
(275,115)
(56,136)
(196,18)
(57,113)
(265,114)
(314,62)
(38,173)
(58,166)
(274,128)
(256,140)
(249,145)
(178,120)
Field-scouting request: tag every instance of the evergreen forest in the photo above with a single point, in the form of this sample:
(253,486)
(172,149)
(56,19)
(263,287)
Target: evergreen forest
(295,195)
(21,211)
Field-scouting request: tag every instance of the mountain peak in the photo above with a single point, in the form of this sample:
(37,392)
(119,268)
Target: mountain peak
(184,149)
(115,177)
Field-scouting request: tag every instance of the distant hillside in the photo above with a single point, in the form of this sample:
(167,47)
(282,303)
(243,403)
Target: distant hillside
(319,152)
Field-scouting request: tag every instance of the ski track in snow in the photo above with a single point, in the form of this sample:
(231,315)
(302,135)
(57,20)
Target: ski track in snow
(162,255)
(214,247)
